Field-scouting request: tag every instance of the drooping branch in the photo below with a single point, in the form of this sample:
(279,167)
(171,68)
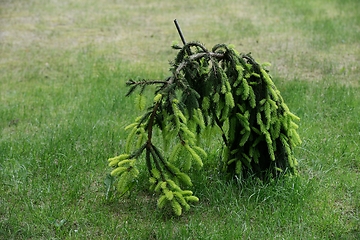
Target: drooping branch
(151,123)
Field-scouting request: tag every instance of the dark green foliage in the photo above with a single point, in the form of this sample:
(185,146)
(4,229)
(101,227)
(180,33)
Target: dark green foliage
(219,88)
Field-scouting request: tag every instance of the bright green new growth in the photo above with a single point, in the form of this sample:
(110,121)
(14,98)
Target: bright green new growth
(219,88)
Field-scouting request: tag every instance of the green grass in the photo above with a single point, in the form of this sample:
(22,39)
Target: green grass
(63,69)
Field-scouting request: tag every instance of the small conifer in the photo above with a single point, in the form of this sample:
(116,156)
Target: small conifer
(220,88)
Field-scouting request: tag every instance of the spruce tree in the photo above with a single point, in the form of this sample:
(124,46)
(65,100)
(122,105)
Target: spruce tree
(219,88)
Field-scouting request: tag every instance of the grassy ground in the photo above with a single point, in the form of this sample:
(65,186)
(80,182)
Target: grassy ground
(63,67)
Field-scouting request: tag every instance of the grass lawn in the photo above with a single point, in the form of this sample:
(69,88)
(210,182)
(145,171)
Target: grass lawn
(63,68)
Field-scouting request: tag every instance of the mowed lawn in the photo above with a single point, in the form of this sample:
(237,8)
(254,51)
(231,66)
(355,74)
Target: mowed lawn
(63,68)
